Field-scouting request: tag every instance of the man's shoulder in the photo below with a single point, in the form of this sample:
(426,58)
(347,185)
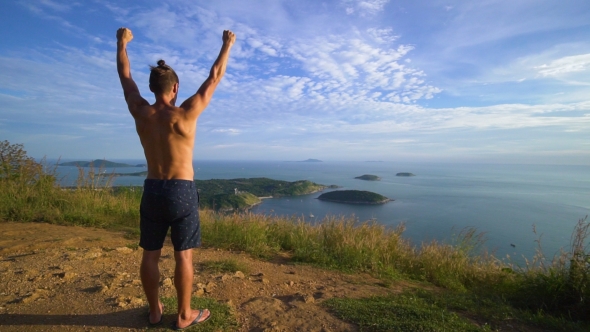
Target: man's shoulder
(143,111)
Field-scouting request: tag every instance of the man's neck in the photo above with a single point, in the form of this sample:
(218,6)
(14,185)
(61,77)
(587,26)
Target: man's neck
(165,101)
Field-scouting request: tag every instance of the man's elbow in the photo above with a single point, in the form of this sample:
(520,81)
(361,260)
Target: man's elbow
(215,77)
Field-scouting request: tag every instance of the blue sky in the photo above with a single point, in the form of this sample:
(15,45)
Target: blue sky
(469,81)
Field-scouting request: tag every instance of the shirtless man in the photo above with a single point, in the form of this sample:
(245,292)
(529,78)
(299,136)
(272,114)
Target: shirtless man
(170,199)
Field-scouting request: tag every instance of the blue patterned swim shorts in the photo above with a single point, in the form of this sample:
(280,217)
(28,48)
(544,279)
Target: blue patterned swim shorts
(174,204)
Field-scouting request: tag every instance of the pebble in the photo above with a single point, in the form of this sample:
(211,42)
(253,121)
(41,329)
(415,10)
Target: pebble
(124,250)
(137,301)
(167,282)
(91,255)
(229,303)
(38,293)
(66,275)
(210,287)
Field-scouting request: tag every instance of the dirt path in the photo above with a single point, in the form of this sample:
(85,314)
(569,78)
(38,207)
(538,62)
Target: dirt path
(57,278)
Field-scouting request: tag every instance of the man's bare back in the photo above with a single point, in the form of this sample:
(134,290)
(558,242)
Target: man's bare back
(167,135)
(169,199)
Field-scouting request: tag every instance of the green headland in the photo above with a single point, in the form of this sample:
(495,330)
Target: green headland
(242,194)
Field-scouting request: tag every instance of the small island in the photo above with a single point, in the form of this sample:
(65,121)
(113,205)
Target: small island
(354,197)
(311,161)
(368,177)
(405,174)
(95,163)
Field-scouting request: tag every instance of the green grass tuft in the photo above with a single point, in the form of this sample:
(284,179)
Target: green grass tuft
(404,312)
(133,246)
(497,310)
(223,266)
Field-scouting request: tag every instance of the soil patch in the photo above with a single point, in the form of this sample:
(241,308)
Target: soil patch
(58,278)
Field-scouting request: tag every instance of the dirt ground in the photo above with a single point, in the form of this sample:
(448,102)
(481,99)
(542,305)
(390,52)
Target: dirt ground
(57,278)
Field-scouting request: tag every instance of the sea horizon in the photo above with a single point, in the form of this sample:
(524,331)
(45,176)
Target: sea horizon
(52,161)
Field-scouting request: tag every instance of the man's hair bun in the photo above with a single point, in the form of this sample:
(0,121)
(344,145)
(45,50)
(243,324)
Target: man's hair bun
(161,63)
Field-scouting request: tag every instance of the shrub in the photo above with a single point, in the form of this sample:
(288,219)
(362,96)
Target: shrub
(16,166)
(561,286)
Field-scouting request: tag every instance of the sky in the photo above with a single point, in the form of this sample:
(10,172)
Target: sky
(490,81)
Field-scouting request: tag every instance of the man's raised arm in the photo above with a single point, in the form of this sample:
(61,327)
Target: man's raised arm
(130,90)
(197,103)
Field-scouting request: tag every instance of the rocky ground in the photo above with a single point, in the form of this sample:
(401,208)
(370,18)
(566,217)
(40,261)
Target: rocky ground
(57,278)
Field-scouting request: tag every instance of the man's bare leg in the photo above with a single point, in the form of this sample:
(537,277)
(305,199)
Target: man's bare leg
(150,279)
(183,281)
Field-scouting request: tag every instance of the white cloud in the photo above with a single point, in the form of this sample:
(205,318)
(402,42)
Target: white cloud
(382,35)
(351,65)
(565,65)
(558,74)
(263,47)
(229,131)
(364,7)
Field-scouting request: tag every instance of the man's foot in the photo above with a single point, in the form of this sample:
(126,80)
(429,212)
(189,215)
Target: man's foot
(153,316)
(198,316)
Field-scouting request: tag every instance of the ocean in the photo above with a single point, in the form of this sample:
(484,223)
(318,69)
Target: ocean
(505,202)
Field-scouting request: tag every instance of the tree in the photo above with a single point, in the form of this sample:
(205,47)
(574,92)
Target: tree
(15,164)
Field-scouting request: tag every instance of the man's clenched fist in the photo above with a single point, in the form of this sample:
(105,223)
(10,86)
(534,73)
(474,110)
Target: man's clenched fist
(228,37)
(124,35)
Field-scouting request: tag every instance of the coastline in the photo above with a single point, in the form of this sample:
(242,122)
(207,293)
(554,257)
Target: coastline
(271,197)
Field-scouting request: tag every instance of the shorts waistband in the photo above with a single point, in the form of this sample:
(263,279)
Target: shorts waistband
(165,184)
